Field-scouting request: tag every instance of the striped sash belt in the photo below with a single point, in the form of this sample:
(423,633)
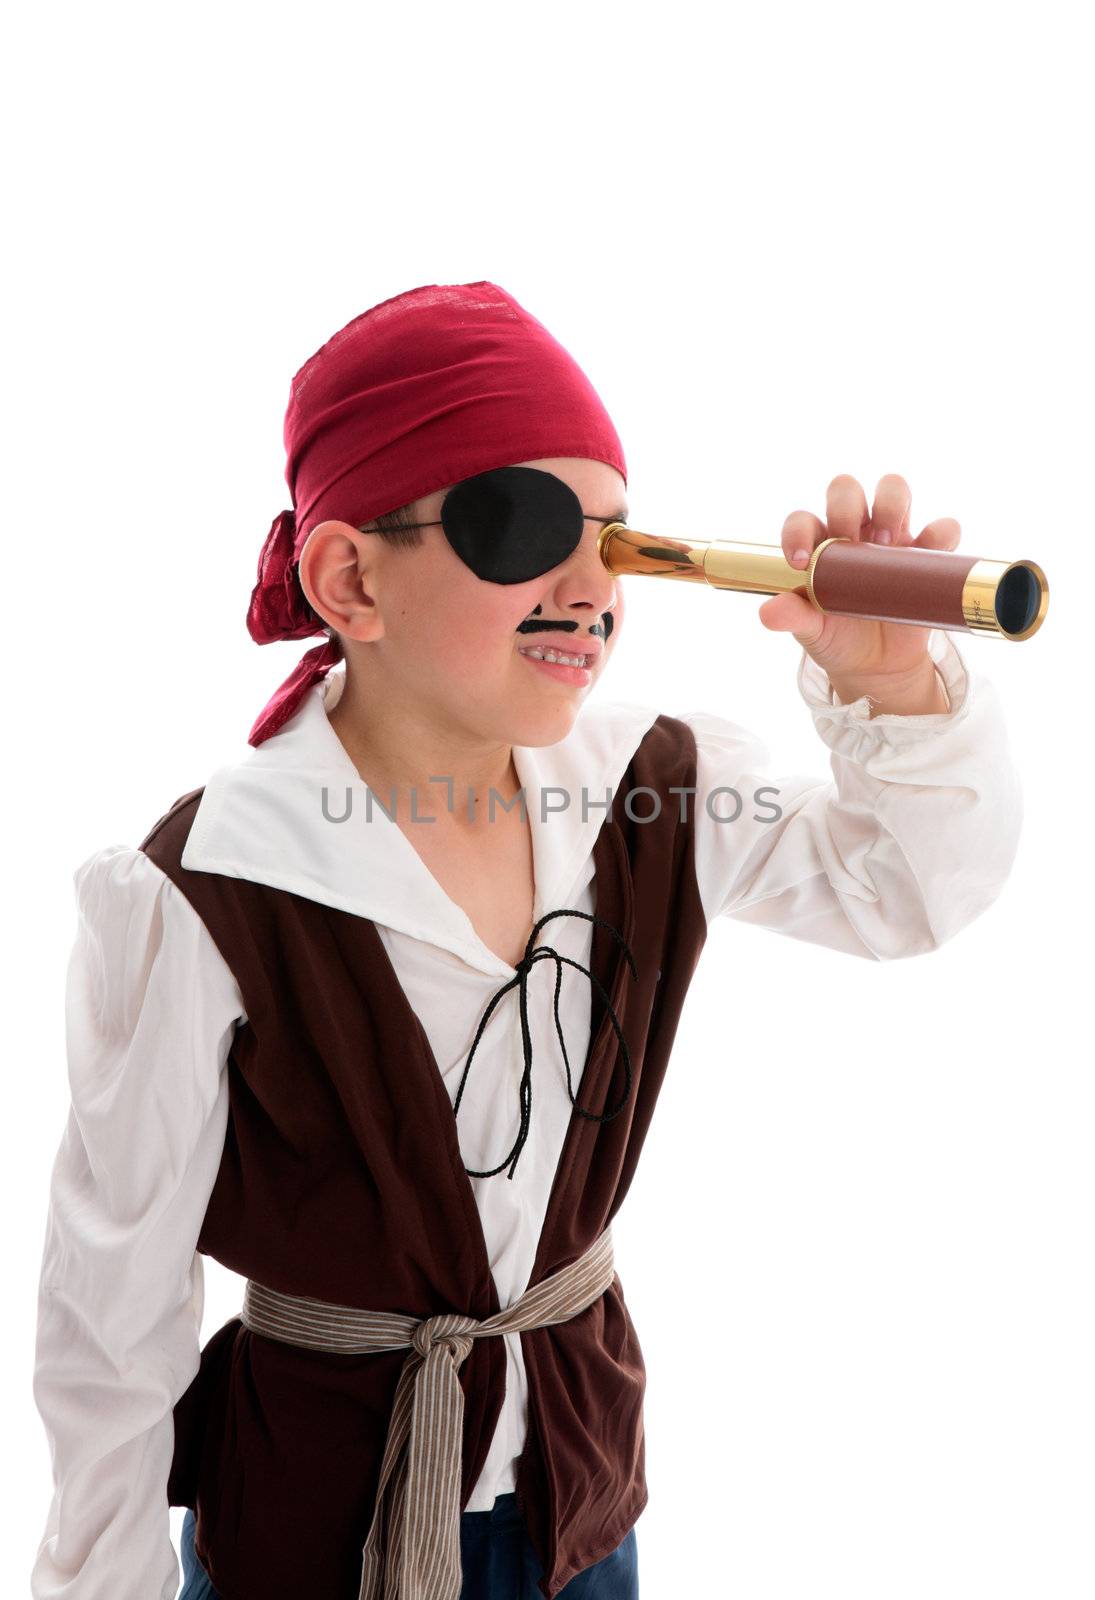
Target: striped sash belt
(413,1548)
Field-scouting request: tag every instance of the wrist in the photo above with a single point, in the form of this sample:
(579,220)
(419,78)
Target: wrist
(917,692)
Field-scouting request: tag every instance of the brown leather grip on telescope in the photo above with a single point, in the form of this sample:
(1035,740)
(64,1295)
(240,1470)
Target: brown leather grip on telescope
(893,583)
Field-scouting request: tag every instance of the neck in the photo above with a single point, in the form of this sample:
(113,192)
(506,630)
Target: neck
(410,754)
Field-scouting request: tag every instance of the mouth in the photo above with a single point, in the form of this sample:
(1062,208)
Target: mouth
(570,658)
(565,666)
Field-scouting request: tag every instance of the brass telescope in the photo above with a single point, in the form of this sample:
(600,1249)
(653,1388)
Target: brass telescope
(845,578)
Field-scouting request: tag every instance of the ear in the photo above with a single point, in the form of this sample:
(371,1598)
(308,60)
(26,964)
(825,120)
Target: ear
(339,573)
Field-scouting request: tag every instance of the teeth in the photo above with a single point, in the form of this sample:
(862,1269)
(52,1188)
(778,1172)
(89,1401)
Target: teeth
(555,655)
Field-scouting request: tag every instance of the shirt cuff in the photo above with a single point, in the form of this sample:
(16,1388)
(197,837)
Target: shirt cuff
(834,718)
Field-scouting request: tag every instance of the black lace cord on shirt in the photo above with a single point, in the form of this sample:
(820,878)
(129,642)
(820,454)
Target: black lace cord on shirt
(524,967)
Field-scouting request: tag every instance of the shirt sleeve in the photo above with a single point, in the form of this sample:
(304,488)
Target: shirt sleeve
(913,837)
(150,1010)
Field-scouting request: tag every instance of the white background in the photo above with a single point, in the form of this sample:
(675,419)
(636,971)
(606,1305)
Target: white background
(784,242)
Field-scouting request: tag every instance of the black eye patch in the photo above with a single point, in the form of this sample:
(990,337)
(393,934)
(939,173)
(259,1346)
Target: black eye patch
(513,523)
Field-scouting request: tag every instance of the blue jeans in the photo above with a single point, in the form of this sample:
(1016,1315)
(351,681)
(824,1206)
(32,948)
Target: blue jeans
(498,1562)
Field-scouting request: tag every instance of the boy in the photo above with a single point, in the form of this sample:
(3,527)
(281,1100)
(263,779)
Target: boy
(293,1041)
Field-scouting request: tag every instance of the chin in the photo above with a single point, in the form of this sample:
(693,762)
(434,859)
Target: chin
(547,724)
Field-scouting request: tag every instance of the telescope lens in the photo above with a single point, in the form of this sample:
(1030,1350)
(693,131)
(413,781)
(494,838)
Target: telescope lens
(1017,598)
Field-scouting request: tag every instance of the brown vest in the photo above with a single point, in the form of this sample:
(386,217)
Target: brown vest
(342,1180)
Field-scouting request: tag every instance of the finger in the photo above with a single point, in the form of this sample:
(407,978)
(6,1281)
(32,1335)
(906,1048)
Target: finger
(792,613)
(890,517)
(801,532)
(846,513)
(942,534)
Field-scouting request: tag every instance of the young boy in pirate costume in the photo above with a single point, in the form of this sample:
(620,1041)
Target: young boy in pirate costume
(308,1037)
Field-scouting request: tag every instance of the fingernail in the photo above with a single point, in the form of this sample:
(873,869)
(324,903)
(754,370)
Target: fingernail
(801,558)
(883,536)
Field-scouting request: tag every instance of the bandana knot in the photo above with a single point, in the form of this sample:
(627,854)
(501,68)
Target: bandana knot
(279,608)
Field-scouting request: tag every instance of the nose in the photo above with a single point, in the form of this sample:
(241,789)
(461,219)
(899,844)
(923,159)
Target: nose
(584,582)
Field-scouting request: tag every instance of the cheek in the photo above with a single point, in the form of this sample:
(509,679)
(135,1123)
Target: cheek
(475,623)
(507,606)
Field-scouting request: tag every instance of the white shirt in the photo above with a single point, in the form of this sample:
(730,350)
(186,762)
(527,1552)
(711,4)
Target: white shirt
(911,838)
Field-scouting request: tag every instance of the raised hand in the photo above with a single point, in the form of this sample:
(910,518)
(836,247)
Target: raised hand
(888,661)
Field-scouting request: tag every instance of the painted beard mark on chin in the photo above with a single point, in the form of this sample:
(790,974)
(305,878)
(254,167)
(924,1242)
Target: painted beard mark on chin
(601,629)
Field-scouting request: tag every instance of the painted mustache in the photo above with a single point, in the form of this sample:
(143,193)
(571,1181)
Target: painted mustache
(598,630)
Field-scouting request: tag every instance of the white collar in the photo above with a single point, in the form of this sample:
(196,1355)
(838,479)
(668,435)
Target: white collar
(261,818)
